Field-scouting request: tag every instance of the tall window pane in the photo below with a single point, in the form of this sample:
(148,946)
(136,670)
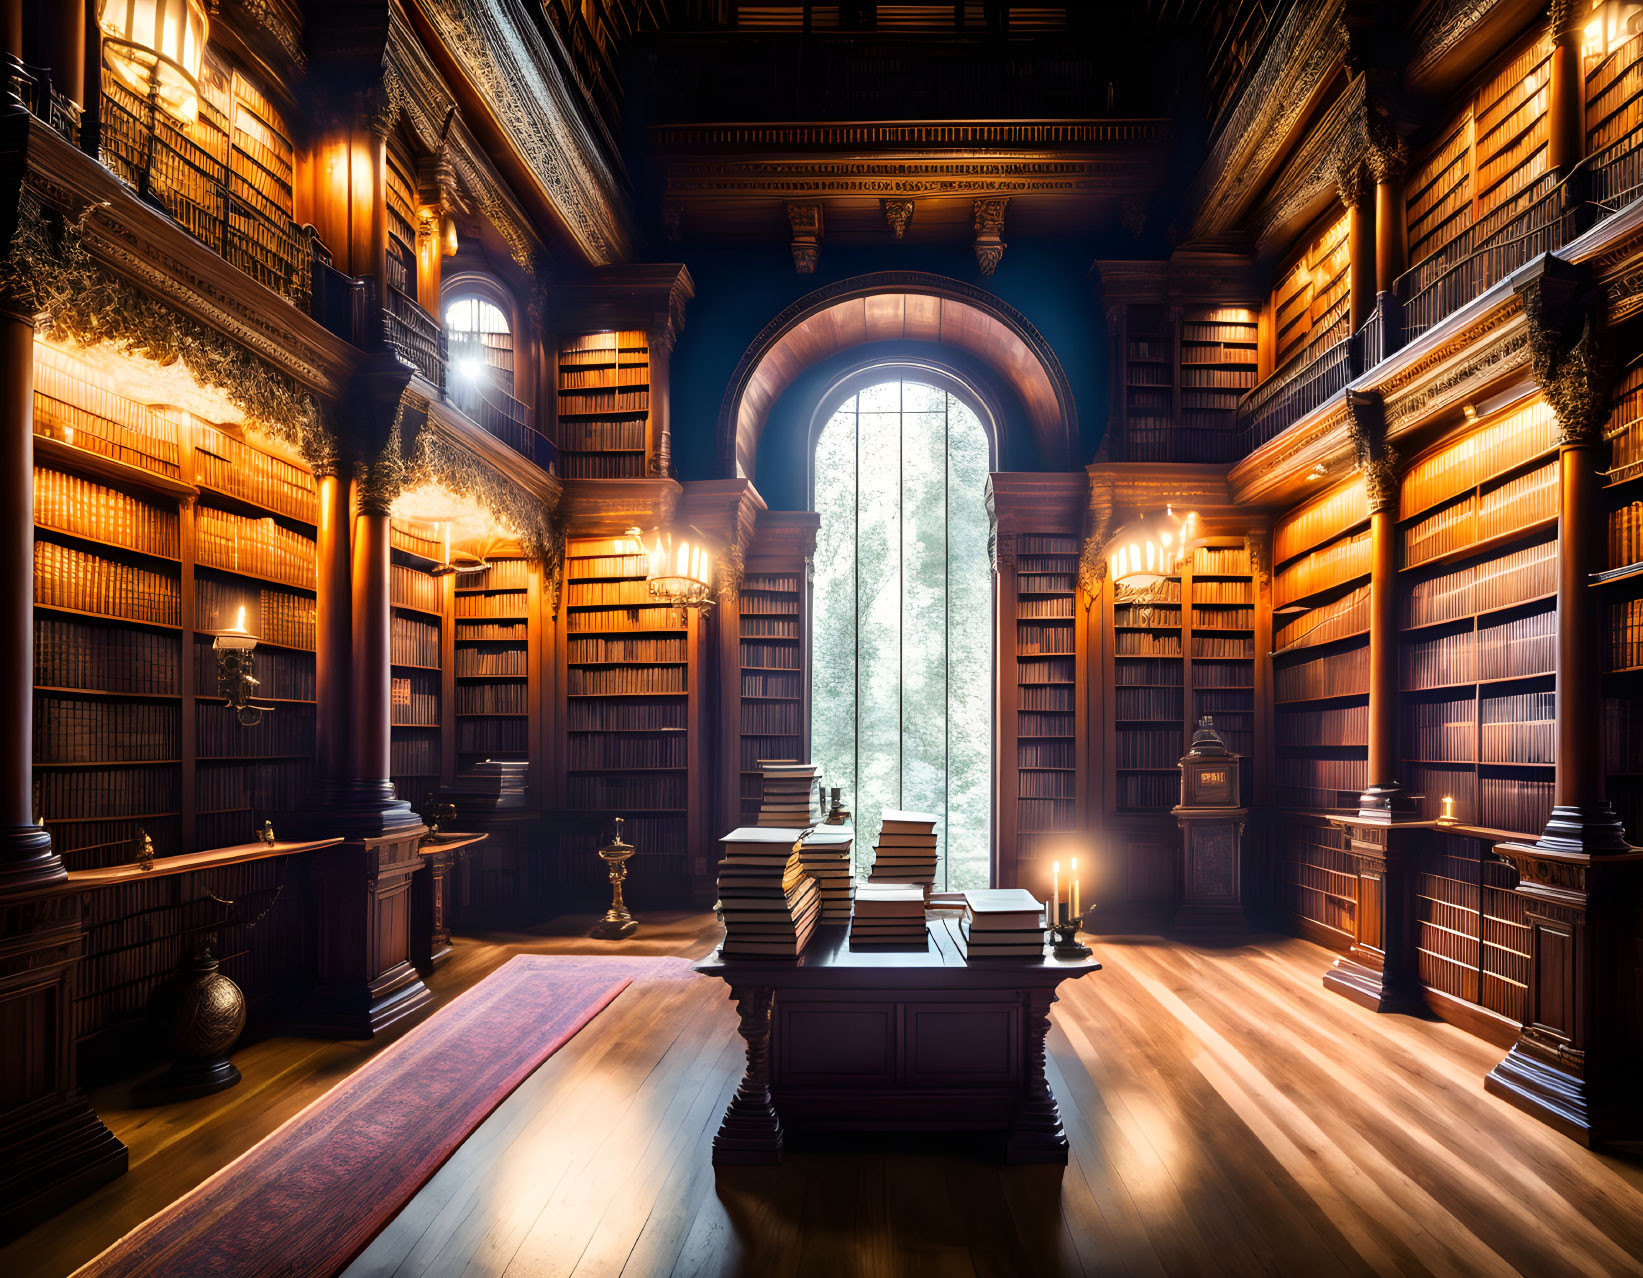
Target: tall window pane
(901,710)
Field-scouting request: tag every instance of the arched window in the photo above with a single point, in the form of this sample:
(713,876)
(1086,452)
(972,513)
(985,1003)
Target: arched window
(902,638)
(481,343)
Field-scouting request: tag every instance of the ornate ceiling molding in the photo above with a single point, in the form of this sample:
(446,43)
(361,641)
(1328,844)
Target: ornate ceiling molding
(415,87)
(497,46)
(1312,172)
(879,176)
(1444,27)
(1300,57)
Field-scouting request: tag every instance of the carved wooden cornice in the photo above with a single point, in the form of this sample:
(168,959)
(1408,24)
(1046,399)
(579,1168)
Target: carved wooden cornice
(1443,29)
(1568,348)
(1376,460)
(783,537)
(454,453)
(137,243)
(1274,474)
(648,295)
(1420,383)
(725,512)
(609,507)
(1311,174)
(1299,60)
(498,46)
(416,89)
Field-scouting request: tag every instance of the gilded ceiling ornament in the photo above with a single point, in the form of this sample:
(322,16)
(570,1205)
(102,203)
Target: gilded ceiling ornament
(805,221)
(897,214)
(989,227)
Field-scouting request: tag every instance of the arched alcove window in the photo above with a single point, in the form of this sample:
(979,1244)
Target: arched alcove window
(902,638)
(481,342)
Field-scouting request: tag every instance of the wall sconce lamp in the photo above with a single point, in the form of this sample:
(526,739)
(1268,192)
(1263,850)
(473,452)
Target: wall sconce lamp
(1142,555)
(235,681)
(1612,24)
(156,47)
(458,562)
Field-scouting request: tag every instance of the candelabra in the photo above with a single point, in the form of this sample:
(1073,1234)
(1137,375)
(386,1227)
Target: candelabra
(618,923)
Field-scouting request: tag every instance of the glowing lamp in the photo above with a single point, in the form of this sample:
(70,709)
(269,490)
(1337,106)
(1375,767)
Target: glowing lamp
(1142,555)
(1612,24)
(235,681)
(679,571)
(156,47)
(447,235)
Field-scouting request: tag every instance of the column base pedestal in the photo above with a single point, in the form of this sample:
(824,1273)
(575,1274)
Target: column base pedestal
(1559,1099)
(54,1160)
(27,861)
(1366,985)
(363,1011)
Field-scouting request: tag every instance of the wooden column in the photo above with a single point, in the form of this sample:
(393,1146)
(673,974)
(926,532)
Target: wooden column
(26,859)
(1578,1054)
(63,49)
(1388,157)
(1566,90)
(333,625)
(1359,196)
(1379,970)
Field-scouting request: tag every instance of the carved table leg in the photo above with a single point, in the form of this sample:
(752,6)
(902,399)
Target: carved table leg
(751,1131)
(1036,1135)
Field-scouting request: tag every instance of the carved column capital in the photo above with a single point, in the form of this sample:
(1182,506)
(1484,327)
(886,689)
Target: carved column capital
(1092,563)
(1353,183)
(1568,351)
(989,228)
(805,221)
(1385,152)
(1258,546)
(1366,427)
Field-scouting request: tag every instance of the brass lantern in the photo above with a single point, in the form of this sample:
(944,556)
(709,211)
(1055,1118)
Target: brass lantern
(156,48)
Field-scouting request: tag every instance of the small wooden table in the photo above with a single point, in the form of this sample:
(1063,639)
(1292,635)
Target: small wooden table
(880,1039)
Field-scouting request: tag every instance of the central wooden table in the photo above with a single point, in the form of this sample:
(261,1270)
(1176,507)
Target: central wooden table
(879,1039)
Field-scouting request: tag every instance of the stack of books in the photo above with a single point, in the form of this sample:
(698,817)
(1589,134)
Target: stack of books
(906,850)
(1002,923)
(788,794)
(888,914)
(825,855)
(768,903)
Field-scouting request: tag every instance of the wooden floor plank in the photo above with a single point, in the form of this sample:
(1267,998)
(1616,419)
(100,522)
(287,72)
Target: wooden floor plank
(1225,1113)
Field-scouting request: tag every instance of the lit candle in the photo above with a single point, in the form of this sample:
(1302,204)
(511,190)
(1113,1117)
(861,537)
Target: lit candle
(1055,892)
(1448,807)
(1073,874)
(240,623)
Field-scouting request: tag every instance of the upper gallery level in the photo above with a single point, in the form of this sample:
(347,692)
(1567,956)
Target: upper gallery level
(1370,173)
(436,179)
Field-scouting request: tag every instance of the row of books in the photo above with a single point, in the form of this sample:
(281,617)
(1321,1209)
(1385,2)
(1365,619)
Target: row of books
(413,756)
(282,676)
(107,792)
(582,567)
(770,717)
(1222,592)
(602,465)
(1519,647)
(754,627)
(500,574)
(1045,785)
(1338,619)
(628,752)
(1045,670)
(1626,634)
(67,503)
(572,378)
(770,656)
(258,547)
(287,730)
(583,594)
(232,466)
(413,699)
(1141,672)
(492,698)
(488,736)
(504,604)
(68,578)
(408,588)
(72,653)
(276,616)
(1148,747)
(1516,504)
(1336,674)
(1223,646)
(575,347)
(1222,617)
(1040,609)
(1445,731)
(1033,724)
(493,661)
(413,642)
(1049,582)
(1493,449)
(1323,518)
(1046,814)
(757,684)
(657,617)
(1141,791)
(1335,564)
(595,651)
(1149,616)
(1224,378)
(1626,535)
(492,631)
(1622,736)
(594,436)
(1337,726)
(768,903)
(1319,783)
(596,790)
(653,714)
(1044,754)
(616,680)
(1035,638)
(1500,582)
(1051,697)
(1147,704)
(95,730)
(601,403)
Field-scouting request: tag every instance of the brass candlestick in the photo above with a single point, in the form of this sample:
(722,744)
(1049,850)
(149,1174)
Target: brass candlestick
(618,923)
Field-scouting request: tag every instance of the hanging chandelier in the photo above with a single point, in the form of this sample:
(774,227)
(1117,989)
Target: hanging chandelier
(1143,555)
(156,47)
(679,569)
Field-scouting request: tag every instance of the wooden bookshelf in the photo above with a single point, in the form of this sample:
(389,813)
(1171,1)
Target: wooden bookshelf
(1477,648)
(629,695)
(1310,299)
(491,707)
(1614,96)
(604,409)
(1047,808)
(1320,710)
(153,529)
(1218,365)
(1622,594)
(417,706)
(1149,382)
(771,625)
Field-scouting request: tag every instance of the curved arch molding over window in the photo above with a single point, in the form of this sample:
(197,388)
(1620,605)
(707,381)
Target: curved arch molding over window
(897,306)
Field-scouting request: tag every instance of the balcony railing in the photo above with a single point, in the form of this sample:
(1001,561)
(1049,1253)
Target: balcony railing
(145,148)
(1307,380)
(415,334)
(1470,264)
(34,88)
(501,415)
(1617,175)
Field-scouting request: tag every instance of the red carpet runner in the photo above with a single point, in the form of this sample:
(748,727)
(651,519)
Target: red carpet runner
(306,1199)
